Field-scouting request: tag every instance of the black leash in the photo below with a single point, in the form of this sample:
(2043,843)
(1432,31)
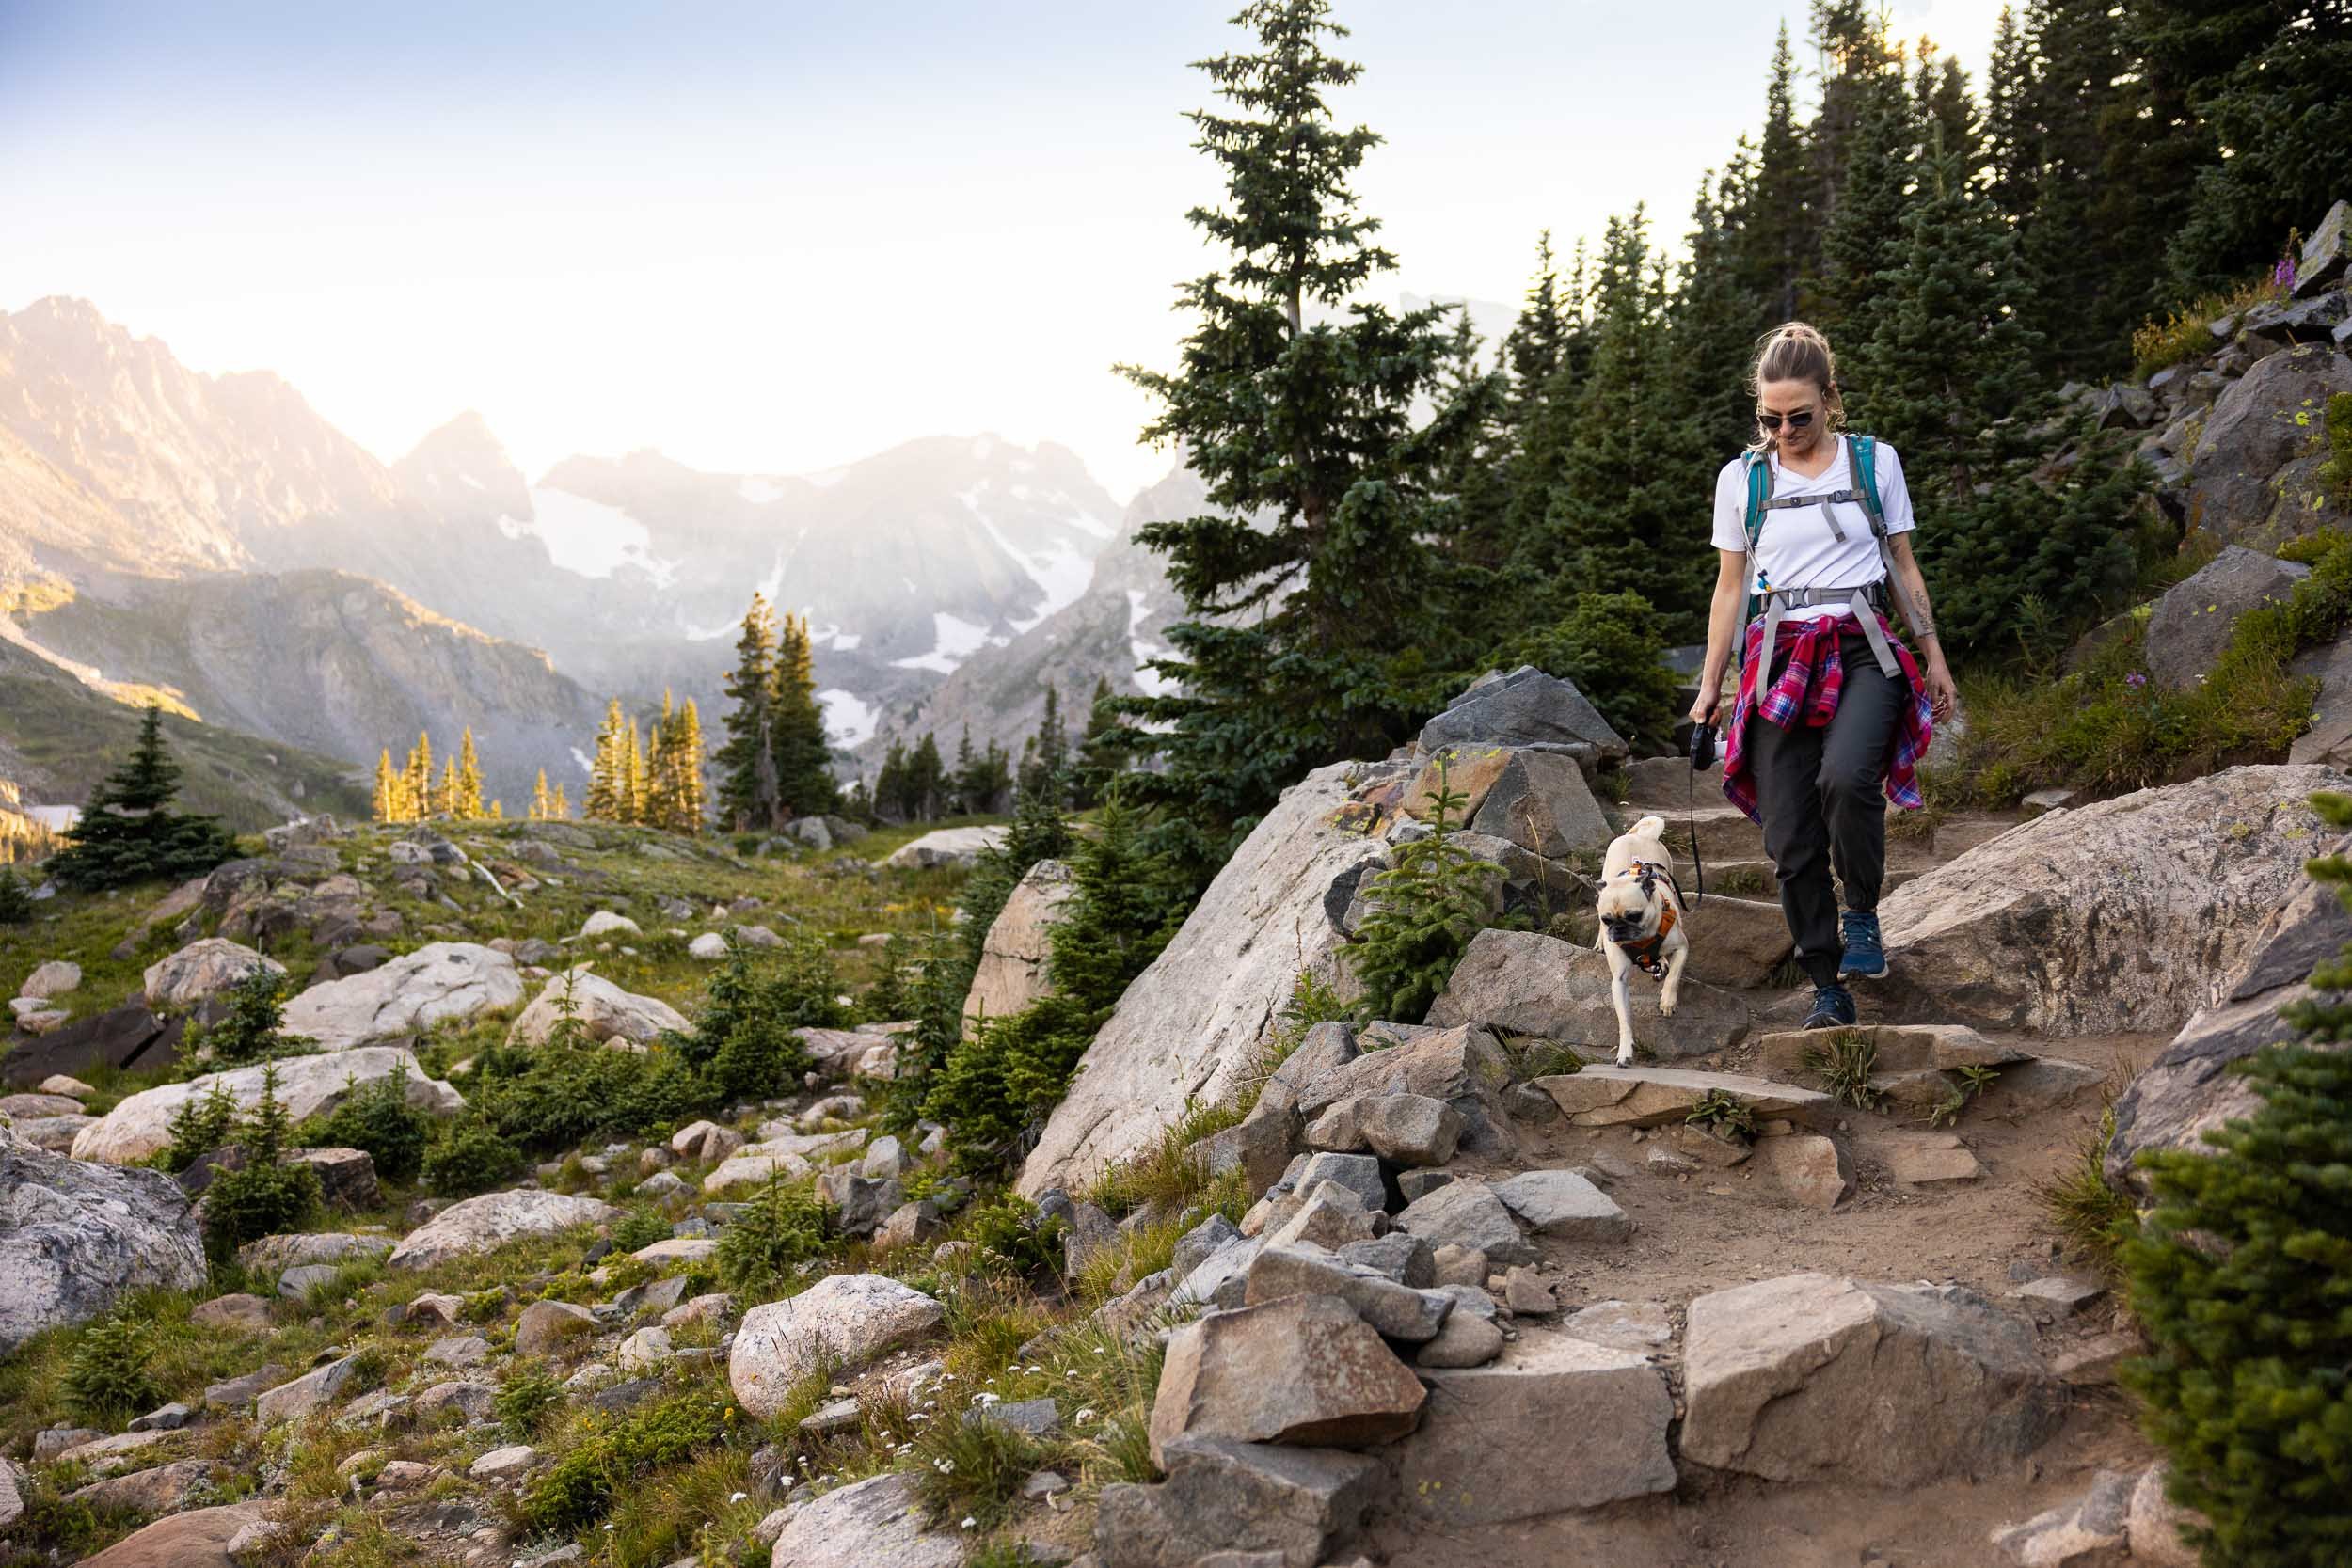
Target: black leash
(1702,758)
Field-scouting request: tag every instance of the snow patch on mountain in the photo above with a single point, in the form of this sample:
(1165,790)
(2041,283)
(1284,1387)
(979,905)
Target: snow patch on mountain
(955,640)
(590,539)
(849,720)
(1151,682)
(1060,573)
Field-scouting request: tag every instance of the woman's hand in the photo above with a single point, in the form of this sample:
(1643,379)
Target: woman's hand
(1702,711)
(1942,696)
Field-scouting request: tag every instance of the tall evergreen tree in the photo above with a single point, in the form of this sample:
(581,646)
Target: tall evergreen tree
(559,810)
(687,803)
(1948,378)
(445,793)
(1621,515)
(963,778)
(2266,79)
(542,803)
(925,780)
(1102,750)
(607,774)
(1864,236)
(1319,621)
(1713,321)
(128,831)
(418,781)
(468,794)
(1857,61)
(890,784)
(2013,144)
(803,759)
(746,761)
(634,804)
(1782,230)
(388,805)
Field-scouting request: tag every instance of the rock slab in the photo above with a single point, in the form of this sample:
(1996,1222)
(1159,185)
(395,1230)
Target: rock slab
(844,1320)
(76,1236)
(1811,1377)
(1304,1370)
(307,1085)
(442,982)
(485,1224)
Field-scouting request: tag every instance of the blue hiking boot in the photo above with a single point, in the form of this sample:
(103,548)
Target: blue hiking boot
(1865,955)
(1832,1008)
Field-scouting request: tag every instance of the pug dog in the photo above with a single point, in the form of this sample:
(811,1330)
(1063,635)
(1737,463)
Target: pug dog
(1642,923)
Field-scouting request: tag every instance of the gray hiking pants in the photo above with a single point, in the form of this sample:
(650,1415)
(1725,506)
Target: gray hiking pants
(1823,796)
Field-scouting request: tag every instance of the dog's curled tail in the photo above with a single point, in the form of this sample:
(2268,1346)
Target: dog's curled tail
(1648,827)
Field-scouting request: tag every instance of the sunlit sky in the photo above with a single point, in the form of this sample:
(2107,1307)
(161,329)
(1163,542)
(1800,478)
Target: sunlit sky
(778,237)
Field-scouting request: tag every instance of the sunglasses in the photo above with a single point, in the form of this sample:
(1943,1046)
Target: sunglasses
(1796,421)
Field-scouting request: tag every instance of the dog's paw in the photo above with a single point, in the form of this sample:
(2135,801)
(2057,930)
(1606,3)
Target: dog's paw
(1667,1001)
(1624,1055)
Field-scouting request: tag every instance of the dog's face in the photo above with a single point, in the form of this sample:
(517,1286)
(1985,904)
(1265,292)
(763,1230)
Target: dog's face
(1628,908)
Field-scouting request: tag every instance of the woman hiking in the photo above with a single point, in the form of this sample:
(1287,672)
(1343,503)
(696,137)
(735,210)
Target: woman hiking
(1814,530)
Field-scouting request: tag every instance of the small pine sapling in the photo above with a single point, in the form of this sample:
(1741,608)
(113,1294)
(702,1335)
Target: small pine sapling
(1424,911)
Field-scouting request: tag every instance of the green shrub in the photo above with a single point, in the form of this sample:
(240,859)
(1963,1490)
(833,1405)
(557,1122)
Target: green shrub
(639,1227)
(250,1031)
(2242,1277)
(578,1488)
(1424,911)
(784,1226)
(891,997)
(467,1156)
(564,1091)
(2182,334)
(1612,647)
(1009,1228)
(973,1469)
(527,1395)
(743,1039)
(107,1379)
(378,1117)
(262,1197)
(203,1123)
(16,899)
(1008,1073)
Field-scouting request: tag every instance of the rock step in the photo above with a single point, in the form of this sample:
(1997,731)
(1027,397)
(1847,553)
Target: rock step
(1612,1096)
(1914,1068)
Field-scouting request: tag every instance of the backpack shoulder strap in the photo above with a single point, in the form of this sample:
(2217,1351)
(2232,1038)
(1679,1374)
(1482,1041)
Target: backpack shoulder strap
(1759,472)
(1861,452)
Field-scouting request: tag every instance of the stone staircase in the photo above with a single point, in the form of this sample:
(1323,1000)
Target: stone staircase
(1814,1262)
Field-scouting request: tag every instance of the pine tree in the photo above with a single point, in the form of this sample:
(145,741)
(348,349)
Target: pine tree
(416,783)
(747,776)
(468,794)
(2013,144)
(803,759)
(1856,63)
(1864,237)
(633,804)
(561,809)
(890,784)
(926,779)
(687,801)
(127,833)
(1712,324)
(1948,379)
(387,805)
(1781,233)
(445,794)
(963,781)
(1619,517)
(1049,764)
(660,806)
(1102,750)
(1319,616)
(607,774)
(2265,80)
(542,803)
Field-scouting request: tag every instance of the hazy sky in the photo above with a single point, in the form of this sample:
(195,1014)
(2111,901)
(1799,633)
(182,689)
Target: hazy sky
(778,237)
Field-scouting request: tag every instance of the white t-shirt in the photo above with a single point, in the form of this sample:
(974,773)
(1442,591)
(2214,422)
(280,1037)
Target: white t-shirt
(1797,548)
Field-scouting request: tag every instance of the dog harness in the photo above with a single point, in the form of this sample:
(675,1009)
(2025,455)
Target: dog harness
(1644,952)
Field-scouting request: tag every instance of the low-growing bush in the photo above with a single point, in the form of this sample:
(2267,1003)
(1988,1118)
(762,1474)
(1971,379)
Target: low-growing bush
(744,1039)
(639,1227)
(249,1030)
(1424,911)
(2184,334)
(107,1380)
(2336,472)
(201,1124)
(1009,1230)
(578,1488)
(467,1156)
(783,1228)
(262,1197)
(378,1117)
(527,1396)
(1612,647)
(16,899)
